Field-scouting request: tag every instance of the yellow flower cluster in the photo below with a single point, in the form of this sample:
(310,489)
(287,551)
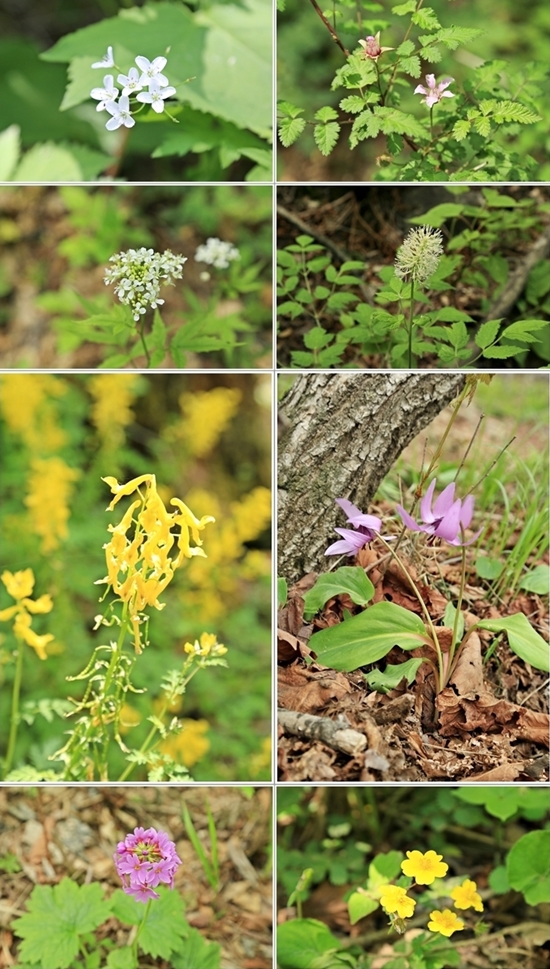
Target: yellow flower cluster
(190,744)
(50,488)
(425,868)
(139,564)
(206,414)
(207,647)
(27,408)
(20,586)
(111,411)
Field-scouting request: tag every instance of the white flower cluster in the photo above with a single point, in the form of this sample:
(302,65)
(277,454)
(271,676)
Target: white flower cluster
(149,76)
(217,253)
(137,276)
(420,253)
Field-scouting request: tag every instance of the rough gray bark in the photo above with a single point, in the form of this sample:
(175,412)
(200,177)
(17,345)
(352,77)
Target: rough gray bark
(341,434)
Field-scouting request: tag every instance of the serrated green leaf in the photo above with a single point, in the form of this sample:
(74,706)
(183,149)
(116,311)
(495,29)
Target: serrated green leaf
(197,952)
(458,335)
(405,48)
(523,640)
(431,54)
(353,103)
(349,579)
(487,333)
(453,36)
(482,126)
(165,926)
(326,114)
(394,121)
(426,19)
(289,109)
(501,353)
(290,129)
(56,919)
(369,636)
(523,330)
(411,65)
(404,8)
(122,959)
(326,136)
(461,129)
(317,338)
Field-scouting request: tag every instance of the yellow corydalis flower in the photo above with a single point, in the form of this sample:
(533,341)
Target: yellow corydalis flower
(111,410)
(19,586)
(424,868)
(445,922)
(208,646)
(467,896)
(206,414)
(139,560)
(50,491)
(395,899)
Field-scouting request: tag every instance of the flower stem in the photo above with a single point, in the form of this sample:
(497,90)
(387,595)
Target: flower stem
(14,722)
(143,343)
(432,122)
(423,607)
(410,359)
(138,933)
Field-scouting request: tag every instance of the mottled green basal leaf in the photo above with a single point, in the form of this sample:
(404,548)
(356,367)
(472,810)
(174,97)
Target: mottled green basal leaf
(369,636)
(55,920)
(350,579)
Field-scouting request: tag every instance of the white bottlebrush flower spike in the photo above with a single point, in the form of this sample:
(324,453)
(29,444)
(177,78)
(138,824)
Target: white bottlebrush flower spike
(105,94)
(107,60)
(420,253)
(217,253)
(138,274)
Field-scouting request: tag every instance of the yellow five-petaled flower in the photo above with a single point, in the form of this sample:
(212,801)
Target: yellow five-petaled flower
(467,896)
(20,586)
(445,922)
(395,899)
(424,868)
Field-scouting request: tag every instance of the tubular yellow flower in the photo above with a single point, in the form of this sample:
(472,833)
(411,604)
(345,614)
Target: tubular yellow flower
(395,899)
(139,563)
(111,411)
(205,416)
(467,896)
(28,409)
(424,868)
(50,488)
(445,922)
(20,586)
(208,646)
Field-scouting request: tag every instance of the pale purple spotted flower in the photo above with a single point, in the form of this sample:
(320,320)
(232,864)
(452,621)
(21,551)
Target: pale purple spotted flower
(144,860)
(434,92)
(445,518)
(365,528)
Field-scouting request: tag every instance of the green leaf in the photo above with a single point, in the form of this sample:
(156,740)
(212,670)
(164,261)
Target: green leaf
(385,680)
(48,163)
(360,905)
(411,65)
(353,103)
(528,866)
(404,8)
(502,353)
(317,338)
(326,136)
(439,214)
(290,129)
(523,330)
(426,19)
(507,112)
(453,36)
(349,579)
(9,151)
(326,114)
(307,944)
(165,926)
(487,333)
(197,952)
(405,48)
(537,580)
(505,802)
(369,636)
(55,920)
(523,640)
(122,959)
(488,568)
(461,129)
(282,591)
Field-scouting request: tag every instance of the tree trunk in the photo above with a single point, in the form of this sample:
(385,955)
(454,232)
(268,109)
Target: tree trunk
(341,434)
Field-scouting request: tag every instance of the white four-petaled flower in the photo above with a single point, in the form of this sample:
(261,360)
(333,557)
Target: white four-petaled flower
(131,81)
(155,95)
(152,70)
(121,114)
(106,94)
(107,60)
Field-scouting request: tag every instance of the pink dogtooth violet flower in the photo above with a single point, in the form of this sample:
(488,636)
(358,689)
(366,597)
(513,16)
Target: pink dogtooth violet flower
(144,860)
(366,527)
(434,92)
(371,47)
(446,518)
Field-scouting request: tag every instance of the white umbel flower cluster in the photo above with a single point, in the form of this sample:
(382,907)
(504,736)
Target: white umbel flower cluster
(217,253)
(420,253)
(138,274)
(149,76)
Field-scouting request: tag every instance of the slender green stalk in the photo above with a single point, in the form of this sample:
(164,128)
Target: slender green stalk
(432,122)
(14,721)
(458,610)
(138,933)
(143,343)
(411,316)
